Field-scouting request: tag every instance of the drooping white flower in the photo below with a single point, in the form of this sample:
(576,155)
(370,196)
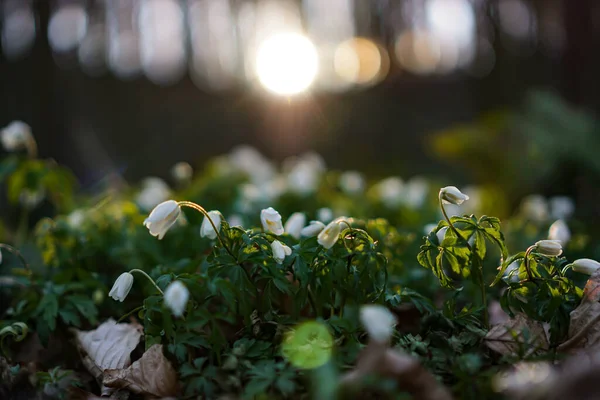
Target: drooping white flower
(294,225)
(206,229)
(352,182)
(271,221)
(176,297)
(550,248)
(535,208)
(451,195)
(378,321)
(154,191)
(313,229)
(16,136)
(329,236)
(585,266)
(121,287)
(389,191)
(182,172)
(162,217)
(561,207)
(280,250)
(559,231)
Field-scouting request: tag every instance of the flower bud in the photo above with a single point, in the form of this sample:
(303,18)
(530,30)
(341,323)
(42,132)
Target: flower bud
(182,172)
(271,221)
(509,274)
(206,229)
(559,231)
(550,248)
(176,297)
(451,195)
(294,224)
(329,236)
(121,287)
(280,250)
(162,218)
(378,321)
(585,266)
(313,229)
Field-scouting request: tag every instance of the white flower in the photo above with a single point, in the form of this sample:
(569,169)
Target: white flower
(76,218)
(585,266)
(378,321)
(550,248)
(535,208)
(154,191)
(451,195)
(122,286)
(162,218)
(16,136)
(235,220)
(304,173)
(313,229)
(389,191)
(206,229)
(561,207)
(559,231)
(176,297)
(415,192)
(295,224)
(271,221)
(182,172)
(352,182)
(280,250)
(249,161)
(329,236)
(325,214)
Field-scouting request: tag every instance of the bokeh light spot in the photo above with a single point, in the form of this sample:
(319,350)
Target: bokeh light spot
(308,346)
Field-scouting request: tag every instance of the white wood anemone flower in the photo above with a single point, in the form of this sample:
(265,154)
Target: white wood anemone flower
(162,217)
(294,225)
(121,287)
(206,229)
(378,321)
(176,298)
(329,236)
(271,221)
(312,229)
(559,231)
(585,266)
(550,248)
(451,195)
(280,251)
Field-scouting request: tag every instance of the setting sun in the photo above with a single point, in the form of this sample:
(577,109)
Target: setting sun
(286,63)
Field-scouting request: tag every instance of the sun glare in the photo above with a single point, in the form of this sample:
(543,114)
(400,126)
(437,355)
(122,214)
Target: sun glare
(286,63)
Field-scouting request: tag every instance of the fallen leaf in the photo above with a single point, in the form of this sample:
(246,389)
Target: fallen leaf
(584,328)
(108,347)
(511,336)
(152,375)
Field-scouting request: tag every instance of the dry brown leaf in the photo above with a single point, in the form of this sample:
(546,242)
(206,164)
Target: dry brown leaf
(509,337)
(584,329)
(108,347)
(152,375)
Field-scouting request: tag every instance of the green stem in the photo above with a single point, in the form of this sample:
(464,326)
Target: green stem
(205,213)
(129,313)
(22,227)
(477,263)
(527,254)
(313,303)
(147,276)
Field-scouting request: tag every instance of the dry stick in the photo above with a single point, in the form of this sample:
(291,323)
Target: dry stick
(410,375)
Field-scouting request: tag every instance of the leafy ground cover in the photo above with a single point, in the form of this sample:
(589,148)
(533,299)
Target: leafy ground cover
(251,281)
